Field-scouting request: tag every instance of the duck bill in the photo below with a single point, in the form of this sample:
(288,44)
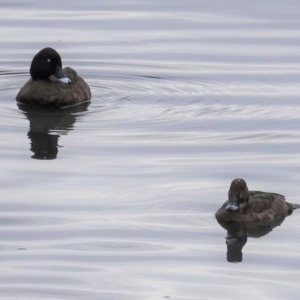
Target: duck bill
(232,207)
(59,73)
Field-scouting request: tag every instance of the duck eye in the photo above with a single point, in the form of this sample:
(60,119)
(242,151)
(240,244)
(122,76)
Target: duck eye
(49,60)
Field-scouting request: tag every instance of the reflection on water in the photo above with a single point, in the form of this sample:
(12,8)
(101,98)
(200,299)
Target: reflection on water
(238,233)
(47,125)
(186,94)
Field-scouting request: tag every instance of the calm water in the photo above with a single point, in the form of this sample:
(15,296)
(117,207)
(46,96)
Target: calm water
(116,200)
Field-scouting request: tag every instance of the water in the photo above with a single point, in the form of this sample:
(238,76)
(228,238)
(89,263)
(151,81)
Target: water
(116,200)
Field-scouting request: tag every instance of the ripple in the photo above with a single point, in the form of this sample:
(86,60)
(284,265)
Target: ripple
(185,98)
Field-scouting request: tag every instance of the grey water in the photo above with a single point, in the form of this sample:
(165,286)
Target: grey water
(116,199)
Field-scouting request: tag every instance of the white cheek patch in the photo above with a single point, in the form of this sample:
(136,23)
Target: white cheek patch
(65,80)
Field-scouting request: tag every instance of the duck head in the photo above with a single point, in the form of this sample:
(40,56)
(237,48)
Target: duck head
(238,196)
(45,63)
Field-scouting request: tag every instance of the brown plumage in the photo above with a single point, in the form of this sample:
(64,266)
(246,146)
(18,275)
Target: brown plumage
(50,85)
(253,206)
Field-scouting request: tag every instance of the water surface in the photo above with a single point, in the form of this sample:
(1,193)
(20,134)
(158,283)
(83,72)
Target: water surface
(116,200)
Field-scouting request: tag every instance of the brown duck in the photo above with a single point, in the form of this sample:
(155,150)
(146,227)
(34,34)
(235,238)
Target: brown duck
(253,206)
(52,85)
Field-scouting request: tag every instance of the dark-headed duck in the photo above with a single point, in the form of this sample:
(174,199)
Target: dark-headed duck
(51,85)
(252,206)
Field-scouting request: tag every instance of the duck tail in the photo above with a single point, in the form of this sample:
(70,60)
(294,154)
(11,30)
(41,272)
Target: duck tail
(292,207)
(295,206)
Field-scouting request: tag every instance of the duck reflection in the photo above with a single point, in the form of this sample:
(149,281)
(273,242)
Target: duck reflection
(46,126)
(238,233)
(250,214)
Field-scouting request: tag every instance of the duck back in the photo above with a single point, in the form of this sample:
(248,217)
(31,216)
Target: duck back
(52,92)
(261,207)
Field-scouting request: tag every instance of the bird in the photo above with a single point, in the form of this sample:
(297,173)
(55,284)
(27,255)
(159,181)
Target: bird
(52,85)
(253,206)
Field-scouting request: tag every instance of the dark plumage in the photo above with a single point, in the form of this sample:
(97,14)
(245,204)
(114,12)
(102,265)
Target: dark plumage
(51,85)
(253,206)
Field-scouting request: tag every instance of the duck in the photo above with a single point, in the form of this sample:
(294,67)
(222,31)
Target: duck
(253,206)
(52,85)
